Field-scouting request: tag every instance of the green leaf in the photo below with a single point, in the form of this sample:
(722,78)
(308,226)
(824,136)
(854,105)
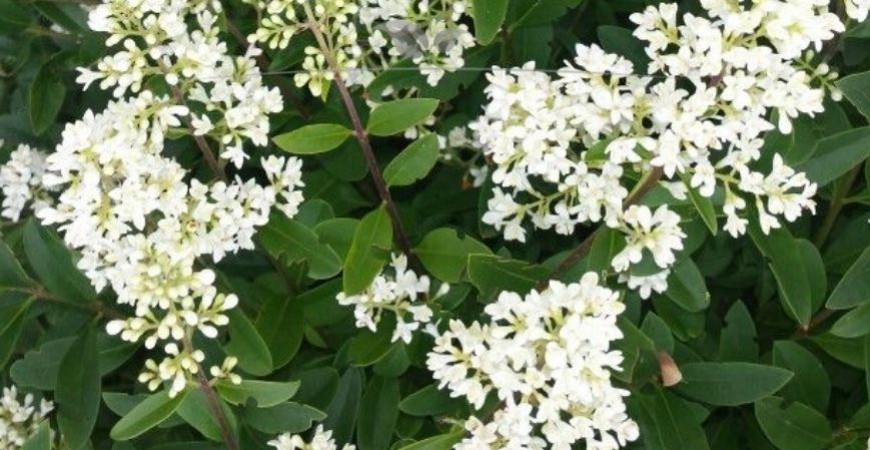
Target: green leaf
(814,268)
(429,401)
(705,209)
(70,17)
(45,97)
(856,88)
(792,426)
(146,415)
(836,155)
(853,324)
(731,383)
(369,251)
(12,276)
(289,417)
(289,238)
(686,287)
(488,16)
(338,234)
(381,405)
(247,345)
(367,347)
(341,414)
(313,139)
(440,442)
(789,269)
(492,274)
(397,116)
(445,255)
(849,351)
(54,264)
(413,163)
(265,393)
(854,288)
(13,311)
(737,342)
(78,396)
(638,350)
(810,384)
(667,422)
(39,367)
(40,439)
(280,323)
(196,411)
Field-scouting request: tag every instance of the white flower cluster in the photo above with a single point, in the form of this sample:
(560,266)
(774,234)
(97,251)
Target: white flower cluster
(400,293)
(428,32)
(858,9)
(322,440)
(19,419)
(180,41)
(142,225)
(548,358)
(21,182)
(563,148)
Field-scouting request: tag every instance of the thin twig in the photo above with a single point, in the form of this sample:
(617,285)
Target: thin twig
(645,185)
(362,137)
(214,404)
(841,190)
(94,306)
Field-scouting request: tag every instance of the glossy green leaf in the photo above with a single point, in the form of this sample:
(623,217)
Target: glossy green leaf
(686,287)
(414,162)
(491,274)
(40,439)
(731,383)
(146,415)
(342,412)
(13,312)
(45,98)
(78,396)
(737,341)
(281,323)
(381,405)
(397,116)
(283,237)
(792,426)
(488,16)
(369,251)
(853,324)
(445,255)
(440,442)
(854,288)
(810,384)
(264,393)
(429,401)
(667,423)
(836,155)
(54,265)
(12,276)
(313,139)
(195,410)
(289,417)
(855,88)
(247,345)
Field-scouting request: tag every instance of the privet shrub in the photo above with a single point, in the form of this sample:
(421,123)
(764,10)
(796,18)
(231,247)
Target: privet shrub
(435,224)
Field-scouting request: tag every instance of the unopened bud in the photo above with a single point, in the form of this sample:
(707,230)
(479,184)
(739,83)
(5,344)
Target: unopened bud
(671,374)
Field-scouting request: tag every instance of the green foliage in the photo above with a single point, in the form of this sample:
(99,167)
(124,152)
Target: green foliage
(770,332)
(313,139)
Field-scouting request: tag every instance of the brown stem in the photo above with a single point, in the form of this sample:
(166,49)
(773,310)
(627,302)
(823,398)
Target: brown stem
(575,256)
(204,148)
(361,137)
(841,190)
(214,404)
